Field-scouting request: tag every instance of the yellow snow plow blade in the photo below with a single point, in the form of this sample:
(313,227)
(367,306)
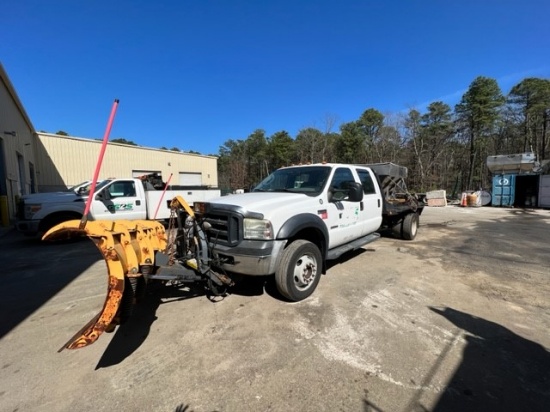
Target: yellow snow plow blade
(128,247)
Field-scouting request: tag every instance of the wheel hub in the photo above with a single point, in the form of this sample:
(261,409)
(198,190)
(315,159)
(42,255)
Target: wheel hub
(305,272)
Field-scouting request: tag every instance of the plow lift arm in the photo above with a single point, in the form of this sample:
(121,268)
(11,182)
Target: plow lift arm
(138,252)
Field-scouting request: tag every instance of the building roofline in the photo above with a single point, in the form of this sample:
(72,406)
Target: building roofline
(11,90)
(99,141)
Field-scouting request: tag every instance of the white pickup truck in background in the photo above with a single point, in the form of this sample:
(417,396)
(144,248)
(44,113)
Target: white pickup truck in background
(114,199)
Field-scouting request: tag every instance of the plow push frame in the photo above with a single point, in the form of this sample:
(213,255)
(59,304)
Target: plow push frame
(138,252)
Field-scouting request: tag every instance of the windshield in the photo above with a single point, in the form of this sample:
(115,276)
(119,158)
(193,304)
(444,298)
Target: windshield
(76,187)
(309,180)
(84,190)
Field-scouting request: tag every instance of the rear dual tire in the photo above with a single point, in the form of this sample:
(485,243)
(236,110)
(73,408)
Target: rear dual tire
(407,228)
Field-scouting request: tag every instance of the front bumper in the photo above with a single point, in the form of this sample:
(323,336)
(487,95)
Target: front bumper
(255,258)
(27,227)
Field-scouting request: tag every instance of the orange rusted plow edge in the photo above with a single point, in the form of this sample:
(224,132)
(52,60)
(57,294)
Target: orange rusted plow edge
(128,247)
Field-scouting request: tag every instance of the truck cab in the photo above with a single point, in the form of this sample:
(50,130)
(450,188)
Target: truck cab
(120,199)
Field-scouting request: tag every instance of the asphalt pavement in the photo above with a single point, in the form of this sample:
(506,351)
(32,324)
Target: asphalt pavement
(4,230)
(456,320)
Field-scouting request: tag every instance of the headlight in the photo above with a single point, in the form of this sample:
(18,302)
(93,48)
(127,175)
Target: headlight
(31,209)
(258,229)
(199,208)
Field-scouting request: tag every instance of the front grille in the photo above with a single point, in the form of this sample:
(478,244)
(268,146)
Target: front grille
(225,228)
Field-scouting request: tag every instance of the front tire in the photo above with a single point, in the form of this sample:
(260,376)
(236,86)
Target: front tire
(54,220)
(300,269)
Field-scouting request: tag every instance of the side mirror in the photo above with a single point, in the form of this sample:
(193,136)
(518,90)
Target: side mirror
(103,195)
(355,192)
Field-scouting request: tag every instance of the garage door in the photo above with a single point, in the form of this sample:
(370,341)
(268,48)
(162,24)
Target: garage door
(190,179)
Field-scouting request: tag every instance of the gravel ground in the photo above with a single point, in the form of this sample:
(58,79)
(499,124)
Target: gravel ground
(455,320)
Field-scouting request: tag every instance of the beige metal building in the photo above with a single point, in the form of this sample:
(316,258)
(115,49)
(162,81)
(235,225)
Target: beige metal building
(17,165)
(64,161)
(40,162)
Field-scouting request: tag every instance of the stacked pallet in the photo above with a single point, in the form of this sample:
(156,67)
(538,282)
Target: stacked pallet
(437,198)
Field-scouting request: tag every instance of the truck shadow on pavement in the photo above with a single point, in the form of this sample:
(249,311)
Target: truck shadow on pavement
(500,370)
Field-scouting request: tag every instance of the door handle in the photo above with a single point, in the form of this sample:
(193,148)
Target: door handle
(138,202)
(378,202)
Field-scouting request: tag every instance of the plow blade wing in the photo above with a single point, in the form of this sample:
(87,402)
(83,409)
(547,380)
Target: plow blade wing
(128,248)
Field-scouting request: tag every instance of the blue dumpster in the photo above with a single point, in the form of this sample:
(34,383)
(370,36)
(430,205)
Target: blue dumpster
(504,188)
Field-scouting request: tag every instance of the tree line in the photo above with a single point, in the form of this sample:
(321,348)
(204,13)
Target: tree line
(442,147)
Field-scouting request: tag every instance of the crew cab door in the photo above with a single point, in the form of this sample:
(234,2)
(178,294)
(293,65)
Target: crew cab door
(119,200)
(371,215)
(343,217)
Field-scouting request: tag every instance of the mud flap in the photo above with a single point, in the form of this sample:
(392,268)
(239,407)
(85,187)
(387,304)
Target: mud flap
(128,247)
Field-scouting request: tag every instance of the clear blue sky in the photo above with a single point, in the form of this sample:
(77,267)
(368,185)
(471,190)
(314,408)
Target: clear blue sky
(195,73)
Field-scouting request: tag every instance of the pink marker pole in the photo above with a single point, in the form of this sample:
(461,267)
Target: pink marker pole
(84,219)
(162,196)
